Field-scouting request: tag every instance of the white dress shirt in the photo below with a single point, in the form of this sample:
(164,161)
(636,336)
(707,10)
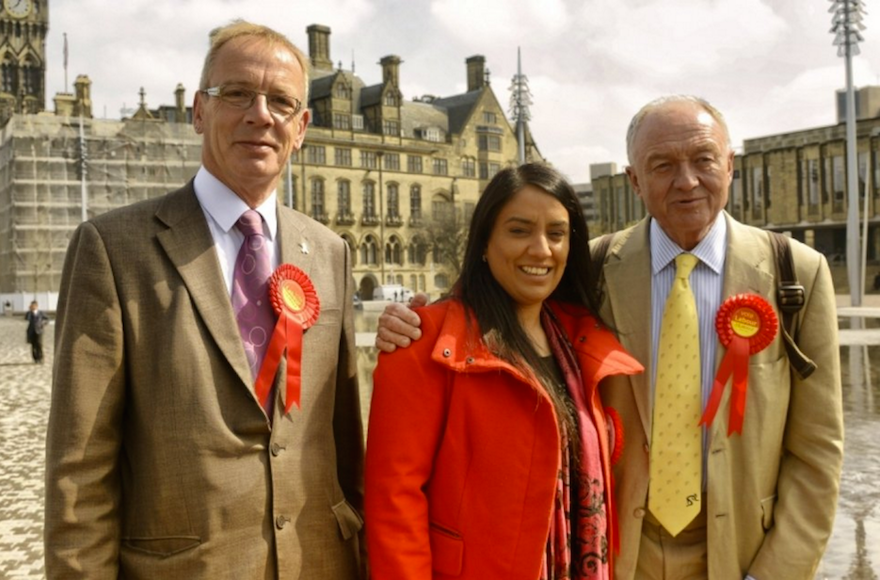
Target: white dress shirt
(222,208)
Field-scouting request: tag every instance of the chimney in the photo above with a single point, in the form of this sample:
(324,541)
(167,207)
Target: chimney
(179,104)
(83,103)
(391,70)
(476,72)
(319,46)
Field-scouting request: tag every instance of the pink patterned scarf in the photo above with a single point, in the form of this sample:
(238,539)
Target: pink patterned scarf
(577,547)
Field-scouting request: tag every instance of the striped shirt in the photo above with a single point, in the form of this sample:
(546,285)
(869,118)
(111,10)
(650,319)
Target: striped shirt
(706,281)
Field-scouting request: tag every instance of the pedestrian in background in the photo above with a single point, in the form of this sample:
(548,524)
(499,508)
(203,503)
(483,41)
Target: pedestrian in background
(37,320)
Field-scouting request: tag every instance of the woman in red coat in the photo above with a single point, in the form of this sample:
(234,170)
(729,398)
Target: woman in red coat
(488,454)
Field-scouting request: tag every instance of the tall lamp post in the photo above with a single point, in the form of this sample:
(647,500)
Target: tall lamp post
(846,24)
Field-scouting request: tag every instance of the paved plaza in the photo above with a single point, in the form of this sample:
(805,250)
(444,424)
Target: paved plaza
(852,554)
(24,409)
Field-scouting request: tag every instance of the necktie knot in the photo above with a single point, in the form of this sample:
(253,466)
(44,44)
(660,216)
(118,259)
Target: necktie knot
(250,223)
(684,265)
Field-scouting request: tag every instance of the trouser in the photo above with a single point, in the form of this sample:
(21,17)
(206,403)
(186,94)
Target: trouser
(37,348)
(664,557)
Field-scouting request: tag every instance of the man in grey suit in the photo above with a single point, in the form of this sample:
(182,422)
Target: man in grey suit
(162,460)
(769,493)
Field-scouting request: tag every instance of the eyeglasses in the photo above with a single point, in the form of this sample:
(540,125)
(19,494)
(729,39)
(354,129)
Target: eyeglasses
(279,104)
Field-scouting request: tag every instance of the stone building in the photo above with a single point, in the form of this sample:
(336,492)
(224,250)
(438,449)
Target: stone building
(396,178)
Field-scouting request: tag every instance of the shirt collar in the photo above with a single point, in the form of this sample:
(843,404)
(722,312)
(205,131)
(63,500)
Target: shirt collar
(711,250)
(225,207)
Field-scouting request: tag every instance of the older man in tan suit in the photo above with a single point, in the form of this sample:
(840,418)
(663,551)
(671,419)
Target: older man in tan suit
(765,499)
(162,460)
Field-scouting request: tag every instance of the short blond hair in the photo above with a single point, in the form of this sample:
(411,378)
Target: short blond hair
(241,28)
(659,102)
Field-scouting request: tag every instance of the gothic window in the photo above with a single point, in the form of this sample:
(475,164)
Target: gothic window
(394,251)
(343,193)
(415,203)
(9,77)
(369,199)
(318,199)
(370,251)
(393,200)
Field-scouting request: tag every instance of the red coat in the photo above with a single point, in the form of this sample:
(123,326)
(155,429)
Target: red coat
(463,452)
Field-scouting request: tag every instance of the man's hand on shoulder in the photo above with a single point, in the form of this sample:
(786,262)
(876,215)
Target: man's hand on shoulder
(399,325)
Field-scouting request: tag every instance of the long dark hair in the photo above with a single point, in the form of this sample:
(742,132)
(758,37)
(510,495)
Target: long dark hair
(478,290)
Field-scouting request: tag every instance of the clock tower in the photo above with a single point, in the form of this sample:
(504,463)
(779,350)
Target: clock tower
(23,28)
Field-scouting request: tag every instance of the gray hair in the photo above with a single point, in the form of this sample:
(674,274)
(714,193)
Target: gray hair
(241,28)
(659,102)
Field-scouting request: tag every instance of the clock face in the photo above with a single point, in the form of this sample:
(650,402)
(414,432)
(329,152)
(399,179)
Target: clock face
(17,8)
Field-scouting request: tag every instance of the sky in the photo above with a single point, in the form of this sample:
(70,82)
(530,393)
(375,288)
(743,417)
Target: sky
(768,65)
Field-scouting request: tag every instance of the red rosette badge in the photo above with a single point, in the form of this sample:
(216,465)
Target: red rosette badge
(296,303)
(746,324)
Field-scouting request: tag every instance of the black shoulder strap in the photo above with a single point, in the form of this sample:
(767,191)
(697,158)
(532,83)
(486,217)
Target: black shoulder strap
(790,297)
(597,257)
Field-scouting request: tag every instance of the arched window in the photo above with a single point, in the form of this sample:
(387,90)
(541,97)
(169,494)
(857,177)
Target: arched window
(370,251)
(394,251)
(418,251)
(8,76)
(351,247)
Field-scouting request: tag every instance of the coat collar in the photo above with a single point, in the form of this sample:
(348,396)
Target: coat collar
(460,347)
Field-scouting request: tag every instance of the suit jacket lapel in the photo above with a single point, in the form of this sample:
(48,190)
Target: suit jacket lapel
(295,246)
(748,269)
(190,247)
(628,292)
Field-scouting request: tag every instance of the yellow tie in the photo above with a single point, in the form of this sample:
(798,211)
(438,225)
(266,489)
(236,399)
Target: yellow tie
(676,442)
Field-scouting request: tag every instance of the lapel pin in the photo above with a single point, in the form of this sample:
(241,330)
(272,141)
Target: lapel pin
(304,248)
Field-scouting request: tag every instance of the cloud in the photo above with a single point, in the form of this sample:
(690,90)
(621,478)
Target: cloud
(677,38)
(500,21)
(121,51)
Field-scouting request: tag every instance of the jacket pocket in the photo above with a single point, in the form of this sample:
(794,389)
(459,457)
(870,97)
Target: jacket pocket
(767,506)
(162,546)
(350,522)
(447,550)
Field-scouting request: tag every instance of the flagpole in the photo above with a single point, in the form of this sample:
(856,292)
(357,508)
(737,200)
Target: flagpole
(65,62)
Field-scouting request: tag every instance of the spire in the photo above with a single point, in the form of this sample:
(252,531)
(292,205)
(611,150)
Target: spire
(520,99)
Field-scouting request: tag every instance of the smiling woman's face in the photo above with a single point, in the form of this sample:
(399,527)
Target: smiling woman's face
(528,247)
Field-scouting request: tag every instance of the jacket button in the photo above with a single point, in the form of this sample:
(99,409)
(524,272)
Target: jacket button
(447,353)
(280,521)
(470,360)
(639,512)
(582,339)
(276,449)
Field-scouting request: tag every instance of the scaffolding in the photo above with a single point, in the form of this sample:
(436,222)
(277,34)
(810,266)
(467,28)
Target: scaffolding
(50,176)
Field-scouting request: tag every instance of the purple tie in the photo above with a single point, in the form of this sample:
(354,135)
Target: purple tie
(250,291)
